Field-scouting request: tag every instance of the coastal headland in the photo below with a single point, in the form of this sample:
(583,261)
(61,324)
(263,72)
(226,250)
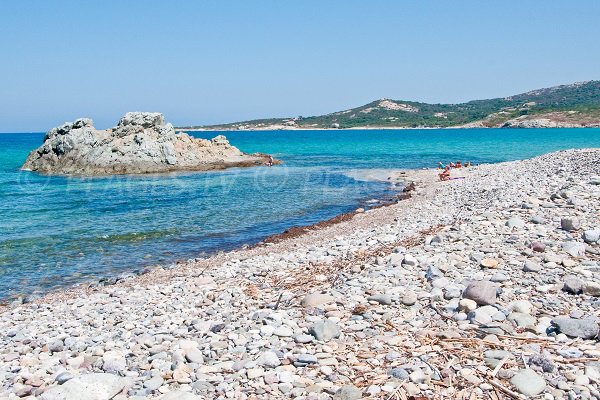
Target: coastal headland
(486,286)
(576,105)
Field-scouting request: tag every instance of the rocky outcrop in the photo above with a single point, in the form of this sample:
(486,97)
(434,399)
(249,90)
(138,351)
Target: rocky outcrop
(140,143)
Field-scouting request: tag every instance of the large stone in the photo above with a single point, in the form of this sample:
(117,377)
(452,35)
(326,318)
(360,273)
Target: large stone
(113,361)
(56,346)
(409,298)
(410,260)
(522,320)
(592,289)
(325,330)
(489,263)
(480,317)
(384,299)
(348,392)
(569,224)
(154,383)
(316,299)
(481,292)
(574,249)
(269,359)
(582,328)
(467,305)
(307,359)
(515,222)
(89,387)
(528,382)
(140,143)
(573,284)
(396,259)
(529,266)
(194,355)
(521,306)
(538,247)
(591,236)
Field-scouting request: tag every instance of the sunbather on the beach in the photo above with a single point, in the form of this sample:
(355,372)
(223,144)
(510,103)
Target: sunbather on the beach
(452,165)
(445,174)
(458,164)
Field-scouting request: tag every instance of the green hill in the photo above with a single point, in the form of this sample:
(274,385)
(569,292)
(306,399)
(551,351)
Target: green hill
(576,105)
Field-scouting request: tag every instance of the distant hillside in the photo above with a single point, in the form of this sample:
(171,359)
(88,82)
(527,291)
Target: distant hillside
(575,105)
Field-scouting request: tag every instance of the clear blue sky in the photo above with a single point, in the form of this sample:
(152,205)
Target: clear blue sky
(221,61)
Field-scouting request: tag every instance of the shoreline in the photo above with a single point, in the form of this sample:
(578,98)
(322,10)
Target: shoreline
(86,287)
(395,177)
(401,299)
(347,129)
(378,128)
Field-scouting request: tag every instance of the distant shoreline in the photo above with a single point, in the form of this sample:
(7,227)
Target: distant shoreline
(373,128)
(357,128)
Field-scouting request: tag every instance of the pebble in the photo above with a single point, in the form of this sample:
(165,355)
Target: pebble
(348,392)
(591,236)
(573,284)
(515,222)
(284,320)
(409,298)
(569,224)
(381,299)
(269,359)
(531,267)
(482,292)
(325,330)
(581,328)
(96,386)
(528,382)
(154,383)
(316,299)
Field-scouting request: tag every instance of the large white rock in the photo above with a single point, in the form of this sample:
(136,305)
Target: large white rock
(114,361)
(88,387)
(140,143)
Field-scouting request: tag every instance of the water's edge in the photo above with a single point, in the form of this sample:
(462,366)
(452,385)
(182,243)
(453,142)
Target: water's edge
(401,191)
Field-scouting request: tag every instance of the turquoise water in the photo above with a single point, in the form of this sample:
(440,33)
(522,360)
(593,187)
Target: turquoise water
(58,231)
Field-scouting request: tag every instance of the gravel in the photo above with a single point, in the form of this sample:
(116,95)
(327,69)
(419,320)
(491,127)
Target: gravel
(421,298)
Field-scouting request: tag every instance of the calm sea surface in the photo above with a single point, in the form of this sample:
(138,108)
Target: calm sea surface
(58,231)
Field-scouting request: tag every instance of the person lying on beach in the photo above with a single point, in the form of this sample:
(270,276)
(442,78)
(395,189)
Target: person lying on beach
(452,165)
(445,175)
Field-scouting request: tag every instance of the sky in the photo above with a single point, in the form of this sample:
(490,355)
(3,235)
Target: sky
(205,62)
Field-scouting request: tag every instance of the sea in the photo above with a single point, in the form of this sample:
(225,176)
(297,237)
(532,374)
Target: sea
(56,232)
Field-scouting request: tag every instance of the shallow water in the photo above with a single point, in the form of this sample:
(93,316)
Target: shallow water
(58,231)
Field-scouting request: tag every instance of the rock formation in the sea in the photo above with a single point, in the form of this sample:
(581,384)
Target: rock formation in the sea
(140,143)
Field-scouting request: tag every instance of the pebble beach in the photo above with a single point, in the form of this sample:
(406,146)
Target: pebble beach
(486,287)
